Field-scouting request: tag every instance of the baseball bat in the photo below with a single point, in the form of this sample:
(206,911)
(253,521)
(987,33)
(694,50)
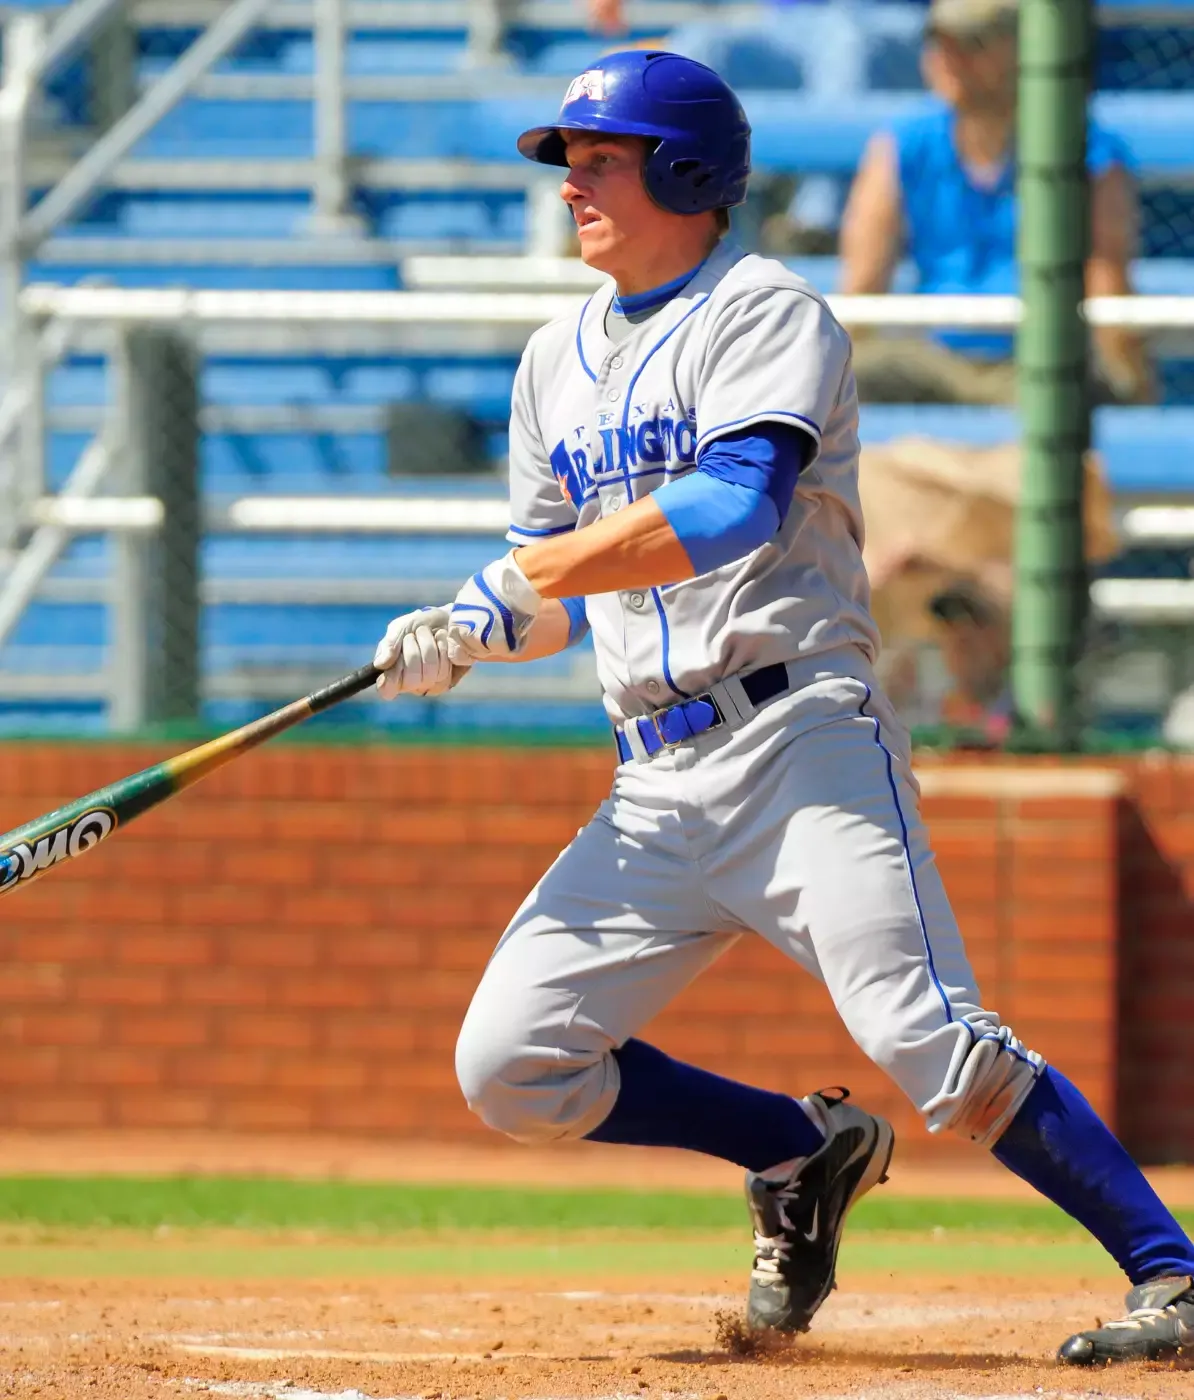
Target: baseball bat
(29,851)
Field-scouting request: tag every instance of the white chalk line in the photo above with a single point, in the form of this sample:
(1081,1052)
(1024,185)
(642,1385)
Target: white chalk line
(844,1313)
(385,1358)
(287,1390)
(259,1390)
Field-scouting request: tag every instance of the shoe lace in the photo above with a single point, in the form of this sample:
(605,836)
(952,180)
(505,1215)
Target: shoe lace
(1138,1317)
(772,1252)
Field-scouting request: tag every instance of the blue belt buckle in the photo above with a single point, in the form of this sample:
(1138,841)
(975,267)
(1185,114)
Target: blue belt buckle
(682,711)
(652,727)
(664,741)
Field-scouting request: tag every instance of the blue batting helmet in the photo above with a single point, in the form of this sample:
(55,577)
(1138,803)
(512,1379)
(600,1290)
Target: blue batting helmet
(700,159)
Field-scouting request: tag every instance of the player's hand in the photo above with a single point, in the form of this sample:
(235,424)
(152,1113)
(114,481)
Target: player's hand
(413,656)
(492,613)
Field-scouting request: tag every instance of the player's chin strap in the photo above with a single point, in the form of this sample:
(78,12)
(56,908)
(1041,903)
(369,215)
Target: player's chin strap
(728,703)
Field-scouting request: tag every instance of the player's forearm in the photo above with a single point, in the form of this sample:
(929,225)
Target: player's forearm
(637,548)
(1123,355)
(550,633)
(872,230)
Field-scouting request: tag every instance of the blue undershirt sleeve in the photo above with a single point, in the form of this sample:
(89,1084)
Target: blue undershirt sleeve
(739,495)
(578,622)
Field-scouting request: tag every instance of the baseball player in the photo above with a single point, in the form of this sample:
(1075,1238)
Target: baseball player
(683,481)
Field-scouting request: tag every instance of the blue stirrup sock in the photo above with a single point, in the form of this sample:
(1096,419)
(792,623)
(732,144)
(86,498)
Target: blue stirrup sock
(665,1103)
(1059,1145)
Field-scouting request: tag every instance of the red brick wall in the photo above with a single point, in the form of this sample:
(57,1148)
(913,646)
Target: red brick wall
(291,945)
(1156,1001)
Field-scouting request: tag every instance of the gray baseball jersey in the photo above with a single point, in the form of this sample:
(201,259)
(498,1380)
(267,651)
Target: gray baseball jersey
(596,424)
(797,820)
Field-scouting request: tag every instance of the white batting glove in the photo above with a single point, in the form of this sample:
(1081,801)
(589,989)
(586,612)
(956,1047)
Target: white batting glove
(413,656)
(492,613)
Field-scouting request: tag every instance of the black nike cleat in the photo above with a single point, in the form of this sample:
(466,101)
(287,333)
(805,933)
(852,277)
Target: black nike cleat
(1159,1327)
(798,1221)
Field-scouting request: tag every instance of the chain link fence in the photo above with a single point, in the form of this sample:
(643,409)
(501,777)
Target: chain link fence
(1137,678)
(1144,73)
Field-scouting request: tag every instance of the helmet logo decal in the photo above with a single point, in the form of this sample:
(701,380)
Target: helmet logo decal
(590,85)
(698,158)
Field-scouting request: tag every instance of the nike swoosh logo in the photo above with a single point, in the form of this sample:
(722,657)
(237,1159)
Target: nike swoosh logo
(860,1151)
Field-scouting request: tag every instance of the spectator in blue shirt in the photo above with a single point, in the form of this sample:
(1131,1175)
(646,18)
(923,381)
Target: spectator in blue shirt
(940,188)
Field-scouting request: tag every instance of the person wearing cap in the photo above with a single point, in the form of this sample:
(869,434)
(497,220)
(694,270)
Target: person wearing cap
(940,188)
(973,629)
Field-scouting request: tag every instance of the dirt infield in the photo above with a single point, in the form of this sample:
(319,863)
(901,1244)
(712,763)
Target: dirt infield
(560,1334)
(882,1339)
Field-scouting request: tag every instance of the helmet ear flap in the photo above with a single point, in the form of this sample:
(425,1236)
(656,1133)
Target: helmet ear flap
(690,175)
(679,185)
(695,173)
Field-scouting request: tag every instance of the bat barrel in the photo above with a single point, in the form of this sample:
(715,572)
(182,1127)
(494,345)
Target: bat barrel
(30,850)
(67,832)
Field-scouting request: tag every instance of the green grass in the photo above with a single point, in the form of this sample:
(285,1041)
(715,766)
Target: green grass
(258,1228)
(665,1262)
(350,1208)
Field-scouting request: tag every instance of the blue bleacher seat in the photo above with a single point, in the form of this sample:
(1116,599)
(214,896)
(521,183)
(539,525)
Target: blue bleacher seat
(250,276)
(266,382)
(344,557)
(560,57)
(356,557)
(235,464)
(379,383)
(78,383)
(73,719)
(791,130)
(1150,276)
(200,128)
(74,625)
(1158,276)
(63,450)
(1146,451)
(292,51)
(483,388)
(449,219)
(305,459)
(211,216)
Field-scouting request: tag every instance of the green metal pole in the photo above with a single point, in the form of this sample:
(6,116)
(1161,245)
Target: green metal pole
(1048,615)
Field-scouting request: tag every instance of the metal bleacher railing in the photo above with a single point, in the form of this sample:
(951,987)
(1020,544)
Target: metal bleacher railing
(1145,481)
(334,181)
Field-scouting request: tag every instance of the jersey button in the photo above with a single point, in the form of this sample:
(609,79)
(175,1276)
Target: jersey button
(615,504)
(614,396)
(653,687)
(638,601)
(617,362)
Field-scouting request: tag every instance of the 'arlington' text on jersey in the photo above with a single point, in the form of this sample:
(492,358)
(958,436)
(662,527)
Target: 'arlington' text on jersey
(596,425)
